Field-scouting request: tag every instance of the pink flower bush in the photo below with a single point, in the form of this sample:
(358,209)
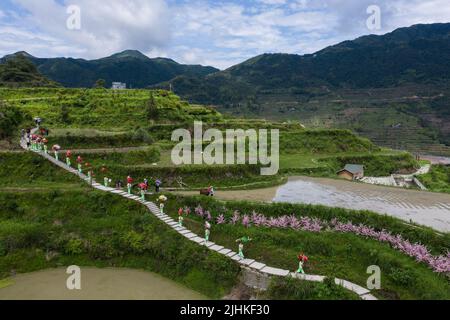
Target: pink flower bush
(236,217)
(419,252)
(246,221)
(199,211)
(221,219)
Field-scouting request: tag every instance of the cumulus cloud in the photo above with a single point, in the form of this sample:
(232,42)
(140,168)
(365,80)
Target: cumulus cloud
(106,26)
(219,33)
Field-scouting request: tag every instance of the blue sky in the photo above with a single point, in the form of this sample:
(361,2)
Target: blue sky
(217,33)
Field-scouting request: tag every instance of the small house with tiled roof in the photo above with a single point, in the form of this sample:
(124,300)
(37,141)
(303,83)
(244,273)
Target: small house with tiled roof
(352,172)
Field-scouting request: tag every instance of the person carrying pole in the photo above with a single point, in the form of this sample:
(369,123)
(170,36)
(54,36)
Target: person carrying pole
(180,217)
(44,142)
(56,149)
(68,155)
(142,188)
(80,164)
(207,231)
(129,184)
(162,199)
(241,242)
(302,259)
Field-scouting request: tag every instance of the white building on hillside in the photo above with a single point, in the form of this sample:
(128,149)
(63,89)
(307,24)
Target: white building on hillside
(118,85)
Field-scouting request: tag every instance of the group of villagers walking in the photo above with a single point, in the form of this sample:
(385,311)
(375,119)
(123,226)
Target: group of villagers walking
(39,143)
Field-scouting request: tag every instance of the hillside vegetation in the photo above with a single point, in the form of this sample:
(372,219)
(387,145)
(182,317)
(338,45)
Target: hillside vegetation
(130,66)
(397,93)
(332,254)
(139,124)
(19,71)
(438,179)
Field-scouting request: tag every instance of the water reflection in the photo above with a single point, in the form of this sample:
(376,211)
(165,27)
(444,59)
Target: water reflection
(430,209)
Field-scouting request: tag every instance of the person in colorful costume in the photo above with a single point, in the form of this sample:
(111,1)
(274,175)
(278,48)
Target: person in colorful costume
(106,180)
(143,187)
(44,142)
(157,185)
(56,149)
(80,164)
(129,184)
(241,242)
(162,199)
(207,231)
(68,155)
(301,261)
(33,142)
(90,173)
(180,217)
(39,143)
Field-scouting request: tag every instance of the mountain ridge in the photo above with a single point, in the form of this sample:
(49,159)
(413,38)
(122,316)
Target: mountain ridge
(370,85)
(129,66)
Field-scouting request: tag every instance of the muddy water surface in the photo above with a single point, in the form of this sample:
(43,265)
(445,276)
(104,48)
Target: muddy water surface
(96,284)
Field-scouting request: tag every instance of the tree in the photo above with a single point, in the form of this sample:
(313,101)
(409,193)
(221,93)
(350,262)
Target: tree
(99,84)
(10,119)
(152,109)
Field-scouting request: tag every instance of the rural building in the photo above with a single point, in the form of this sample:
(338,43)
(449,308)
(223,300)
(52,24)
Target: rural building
(118,85)
(352,172)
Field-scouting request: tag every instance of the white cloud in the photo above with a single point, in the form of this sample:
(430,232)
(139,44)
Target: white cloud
(273,2)
(405,13)
(219,33)
(107,26)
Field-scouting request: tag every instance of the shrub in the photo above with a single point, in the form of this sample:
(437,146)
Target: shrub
(74,247)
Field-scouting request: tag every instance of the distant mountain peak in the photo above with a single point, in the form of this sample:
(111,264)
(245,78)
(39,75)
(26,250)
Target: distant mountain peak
(23,53)
(17,54)
(130,54)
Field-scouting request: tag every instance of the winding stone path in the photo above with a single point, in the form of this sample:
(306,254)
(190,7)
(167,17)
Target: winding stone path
(256,266)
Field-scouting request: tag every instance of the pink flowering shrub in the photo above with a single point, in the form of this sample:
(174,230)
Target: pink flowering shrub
(246,221)
(221,219)
(419,252)
(199,211)
(236,217)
